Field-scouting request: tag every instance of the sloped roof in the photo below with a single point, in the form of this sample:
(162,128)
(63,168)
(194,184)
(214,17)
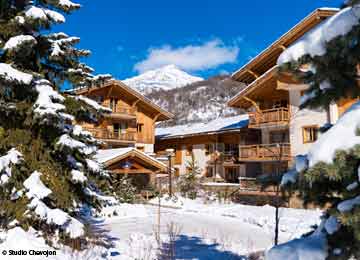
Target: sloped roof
(163,114)
(215,126)
(111,156)
(268,57)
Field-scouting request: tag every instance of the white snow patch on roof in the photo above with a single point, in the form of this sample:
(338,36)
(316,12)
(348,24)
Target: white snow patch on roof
(217,125)
(35,187)
(342,136)
(8,73)
(314,42)
(103,156)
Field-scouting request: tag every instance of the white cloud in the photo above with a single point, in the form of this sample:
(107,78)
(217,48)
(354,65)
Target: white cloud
(191,57)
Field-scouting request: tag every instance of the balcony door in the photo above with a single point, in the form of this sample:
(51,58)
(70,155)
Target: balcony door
(113,104)
(120,128)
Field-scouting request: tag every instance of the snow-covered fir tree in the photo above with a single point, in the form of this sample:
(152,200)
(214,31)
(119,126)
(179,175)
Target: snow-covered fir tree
(327,59)
(46,169)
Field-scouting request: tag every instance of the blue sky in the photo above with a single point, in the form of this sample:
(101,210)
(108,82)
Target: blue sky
(203,37)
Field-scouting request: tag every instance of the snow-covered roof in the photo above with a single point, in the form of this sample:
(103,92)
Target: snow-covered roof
(163,114)
(214,126)
(106,155)
(286,39)
(103,156)
(314,42)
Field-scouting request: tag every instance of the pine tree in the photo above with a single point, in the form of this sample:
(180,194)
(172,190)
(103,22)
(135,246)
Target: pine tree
(189,182)
(331,70)
(46,171)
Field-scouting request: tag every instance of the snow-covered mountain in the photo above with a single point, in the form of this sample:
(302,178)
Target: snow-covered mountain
(165,78)
(200,101)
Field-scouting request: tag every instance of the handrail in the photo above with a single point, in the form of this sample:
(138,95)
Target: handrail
(272,115)
(106,134)
(124,110)
(265,151)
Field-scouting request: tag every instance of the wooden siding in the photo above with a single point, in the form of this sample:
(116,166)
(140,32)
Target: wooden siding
(127,113)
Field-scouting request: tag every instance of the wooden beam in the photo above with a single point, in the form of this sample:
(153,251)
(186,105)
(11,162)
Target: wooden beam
(254,103)
(110,90)
(282,47)
(253,73)
(132,171)
(135,103)
(156,117)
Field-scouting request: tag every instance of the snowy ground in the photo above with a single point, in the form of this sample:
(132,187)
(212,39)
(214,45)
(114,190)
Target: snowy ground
(226,231)
(204,231)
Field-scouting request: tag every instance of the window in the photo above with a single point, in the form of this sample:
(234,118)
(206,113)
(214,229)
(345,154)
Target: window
(113,104)
(310,134)
(139,127)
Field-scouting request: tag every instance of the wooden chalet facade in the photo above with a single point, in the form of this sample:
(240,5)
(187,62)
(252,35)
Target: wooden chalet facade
(214,149)
(273,100)
(132,122)
(128,133)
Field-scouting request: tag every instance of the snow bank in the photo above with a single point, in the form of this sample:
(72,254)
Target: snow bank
(293,223)
(17,239)
(342,136)
(124,210)
(314,42)
(313,247)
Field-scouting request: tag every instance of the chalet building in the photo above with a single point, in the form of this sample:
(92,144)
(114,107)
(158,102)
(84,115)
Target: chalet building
(133,117)
(273,102)
(128,133)
(142,167)
(213,146)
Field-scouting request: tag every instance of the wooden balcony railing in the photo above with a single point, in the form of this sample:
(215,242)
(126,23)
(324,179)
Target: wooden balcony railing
(265,152)
(109,135)
(269,117)
(124,110)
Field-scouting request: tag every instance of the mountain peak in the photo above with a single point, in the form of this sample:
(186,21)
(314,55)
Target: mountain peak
(165,78)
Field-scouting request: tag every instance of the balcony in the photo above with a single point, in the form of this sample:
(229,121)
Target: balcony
(269,117)
(123,112)
(265,152)
(106,135)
